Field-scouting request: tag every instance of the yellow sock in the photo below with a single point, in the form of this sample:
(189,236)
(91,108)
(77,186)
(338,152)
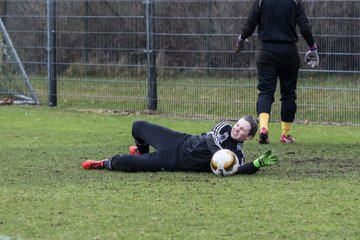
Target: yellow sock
(285,128)
(264,120)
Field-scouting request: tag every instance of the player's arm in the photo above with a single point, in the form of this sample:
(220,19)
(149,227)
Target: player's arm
(303,23)
(252,21)
(247,168)
(217,135)
(267,159)
(249,27)
(311,57)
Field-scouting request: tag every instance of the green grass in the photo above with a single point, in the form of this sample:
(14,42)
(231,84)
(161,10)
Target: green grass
(312,194)
(321,98)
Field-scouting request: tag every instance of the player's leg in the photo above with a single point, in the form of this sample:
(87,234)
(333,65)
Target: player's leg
(288,74)
(149,162)
(159,137)
(267,80)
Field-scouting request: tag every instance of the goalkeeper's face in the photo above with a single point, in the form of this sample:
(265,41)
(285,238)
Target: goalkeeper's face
(240,131)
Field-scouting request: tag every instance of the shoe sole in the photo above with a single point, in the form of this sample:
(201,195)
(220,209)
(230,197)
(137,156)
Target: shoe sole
(264,139)
(87,166)
(134,151)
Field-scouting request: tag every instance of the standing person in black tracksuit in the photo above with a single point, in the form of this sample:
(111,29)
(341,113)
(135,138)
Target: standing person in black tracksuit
(278,57)
(176,151)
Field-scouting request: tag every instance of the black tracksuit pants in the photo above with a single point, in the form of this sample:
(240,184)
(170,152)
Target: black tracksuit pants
(278,60)
(164,140)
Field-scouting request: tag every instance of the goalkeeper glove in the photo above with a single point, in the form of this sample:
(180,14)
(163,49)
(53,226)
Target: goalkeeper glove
(311,57)
(267,159)
(240,44)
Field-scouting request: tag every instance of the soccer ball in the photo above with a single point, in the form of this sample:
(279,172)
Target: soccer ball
(224,163)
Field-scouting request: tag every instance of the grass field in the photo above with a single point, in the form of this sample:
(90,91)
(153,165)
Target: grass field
(321,98)
(313,193)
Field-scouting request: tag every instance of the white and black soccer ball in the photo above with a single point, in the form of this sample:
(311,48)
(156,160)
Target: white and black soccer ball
(224,163)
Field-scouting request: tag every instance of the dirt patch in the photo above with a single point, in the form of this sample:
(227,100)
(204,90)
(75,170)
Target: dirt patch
(323,167)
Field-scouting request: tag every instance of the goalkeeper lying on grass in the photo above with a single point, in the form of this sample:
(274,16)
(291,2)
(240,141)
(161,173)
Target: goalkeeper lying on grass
(176,151)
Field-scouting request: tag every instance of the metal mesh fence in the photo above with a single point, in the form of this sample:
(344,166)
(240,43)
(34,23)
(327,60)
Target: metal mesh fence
(177,57)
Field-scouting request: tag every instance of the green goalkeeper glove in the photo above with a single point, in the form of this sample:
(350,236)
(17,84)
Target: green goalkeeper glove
(267,159)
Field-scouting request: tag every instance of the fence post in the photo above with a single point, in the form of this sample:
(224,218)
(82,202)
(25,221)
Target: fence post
(86,31)
(51,51)
(3,6)
(151,56)
(210,32)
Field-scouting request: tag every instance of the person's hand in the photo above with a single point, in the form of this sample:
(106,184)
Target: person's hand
(240,44)
(267,159)
(312,57)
